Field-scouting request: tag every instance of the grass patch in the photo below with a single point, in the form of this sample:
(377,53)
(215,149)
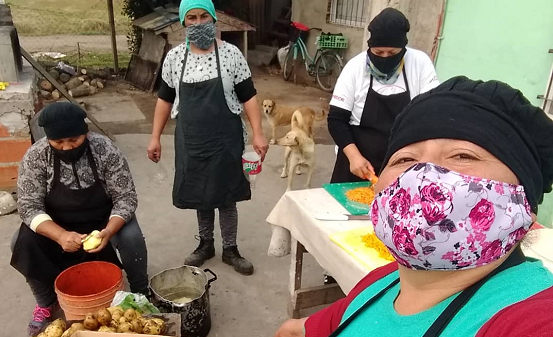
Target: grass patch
(92,59)
(66,17)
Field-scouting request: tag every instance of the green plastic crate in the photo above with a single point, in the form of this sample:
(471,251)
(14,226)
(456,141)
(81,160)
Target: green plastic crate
(331,41)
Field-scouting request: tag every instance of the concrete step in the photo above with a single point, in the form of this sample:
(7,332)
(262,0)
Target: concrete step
(259,58)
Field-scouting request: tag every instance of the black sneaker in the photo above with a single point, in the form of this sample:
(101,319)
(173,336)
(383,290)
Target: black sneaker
(232,257)
(204,252)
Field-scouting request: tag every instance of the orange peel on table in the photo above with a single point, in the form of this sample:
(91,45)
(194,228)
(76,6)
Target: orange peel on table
(364,195)
(372,241)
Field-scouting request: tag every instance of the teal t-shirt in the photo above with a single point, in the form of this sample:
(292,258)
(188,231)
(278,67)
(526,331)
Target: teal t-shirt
(508,287)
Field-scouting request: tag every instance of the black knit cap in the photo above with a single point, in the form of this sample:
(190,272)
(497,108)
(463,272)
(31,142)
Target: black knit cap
(490,114)
(389,29)
(63,120)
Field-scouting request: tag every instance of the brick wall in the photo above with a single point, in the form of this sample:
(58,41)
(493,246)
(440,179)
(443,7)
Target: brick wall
(17,104)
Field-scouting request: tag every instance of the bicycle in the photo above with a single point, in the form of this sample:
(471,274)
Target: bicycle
(327,63)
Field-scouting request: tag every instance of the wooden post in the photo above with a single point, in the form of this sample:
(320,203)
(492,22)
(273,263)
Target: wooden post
(245,44)
(305,298)
(296,267)
(113,37)
(79,58)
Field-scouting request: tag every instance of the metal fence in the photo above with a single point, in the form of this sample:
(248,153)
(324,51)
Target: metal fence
(349,12)
(76,32)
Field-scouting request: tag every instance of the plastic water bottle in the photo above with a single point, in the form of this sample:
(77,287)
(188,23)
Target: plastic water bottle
(251,165)
(252,178)
(158,173)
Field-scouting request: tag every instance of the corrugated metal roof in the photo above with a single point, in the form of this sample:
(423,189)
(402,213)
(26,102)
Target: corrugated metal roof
(163,17)
(156,21)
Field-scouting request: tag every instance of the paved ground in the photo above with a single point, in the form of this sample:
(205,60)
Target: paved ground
(127,118)
(241,306)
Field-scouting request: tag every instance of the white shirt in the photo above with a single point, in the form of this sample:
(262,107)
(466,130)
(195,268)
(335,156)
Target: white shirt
(234,70)
(352,87)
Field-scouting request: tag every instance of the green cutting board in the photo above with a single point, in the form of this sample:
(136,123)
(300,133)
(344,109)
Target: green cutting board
(338,192)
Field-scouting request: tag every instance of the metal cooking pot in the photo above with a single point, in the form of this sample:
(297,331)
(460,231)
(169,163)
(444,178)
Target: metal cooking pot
(185,291)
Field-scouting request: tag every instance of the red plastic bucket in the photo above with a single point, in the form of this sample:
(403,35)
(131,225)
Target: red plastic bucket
(87,287)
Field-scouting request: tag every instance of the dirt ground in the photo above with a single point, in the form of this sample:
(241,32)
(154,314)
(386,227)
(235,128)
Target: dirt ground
(240,306)
(268,85)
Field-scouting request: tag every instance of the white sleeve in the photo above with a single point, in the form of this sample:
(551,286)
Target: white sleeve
(428,79)
(241,69)
(344,92)
(168,73)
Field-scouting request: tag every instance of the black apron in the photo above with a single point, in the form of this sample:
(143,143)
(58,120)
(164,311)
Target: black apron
(82,211)
(208,147)
(516,258)
(371,136)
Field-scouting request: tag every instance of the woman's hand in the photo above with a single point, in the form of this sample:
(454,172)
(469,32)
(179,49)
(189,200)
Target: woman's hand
(114,225)
(358,165)
(361,167)
(291,328)
(154,150)
(71,241)
(105,235)
(260,145)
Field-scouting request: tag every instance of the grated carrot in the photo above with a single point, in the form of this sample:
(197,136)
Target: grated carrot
(373,179)
(363,195)
(372,241)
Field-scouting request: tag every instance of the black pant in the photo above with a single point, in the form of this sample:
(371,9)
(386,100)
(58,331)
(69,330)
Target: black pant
(130,244)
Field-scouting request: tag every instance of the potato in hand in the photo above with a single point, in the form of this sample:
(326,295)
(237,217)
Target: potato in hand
(92,241)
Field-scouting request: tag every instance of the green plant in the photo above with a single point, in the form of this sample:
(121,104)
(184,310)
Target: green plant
(135,9)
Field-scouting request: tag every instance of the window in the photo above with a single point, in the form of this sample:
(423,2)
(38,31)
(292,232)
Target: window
(349,12)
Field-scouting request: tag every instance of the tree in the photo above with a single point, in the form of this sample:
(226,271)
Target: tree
(135,9)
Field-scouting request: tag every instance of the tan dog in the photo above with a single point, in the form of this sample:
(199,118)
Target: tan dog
(283,115)
(300,150)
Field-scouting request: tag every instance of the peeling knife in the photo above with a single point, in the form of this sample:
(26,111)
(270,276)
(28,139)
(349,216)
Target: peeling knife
(340,217)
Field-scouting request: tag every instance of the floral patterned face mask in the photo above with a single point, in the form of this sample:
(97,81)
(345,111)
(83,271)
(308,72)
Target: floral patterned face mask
(435,219)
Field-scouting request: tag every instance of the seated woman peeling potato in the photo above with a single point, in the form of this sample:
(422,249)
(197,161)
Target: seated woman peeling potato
(467,165)
(77,200)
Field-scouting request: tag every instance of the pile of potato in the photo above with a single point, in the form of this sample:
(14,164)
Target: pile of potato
(112,320)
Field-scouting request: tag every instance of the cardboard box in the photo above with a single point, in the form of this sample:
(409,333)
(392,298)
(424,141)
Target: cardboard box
(108,334)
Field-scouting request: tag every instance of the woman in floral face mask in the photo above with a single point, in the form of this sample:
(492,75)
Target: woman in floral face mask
(467,165)
(206,85)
